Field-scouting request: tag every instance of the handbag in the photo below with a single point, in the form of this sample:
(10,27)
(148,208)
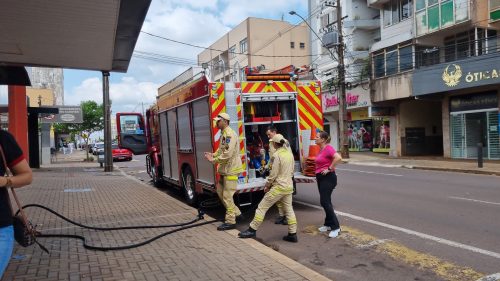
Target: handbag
(24,231)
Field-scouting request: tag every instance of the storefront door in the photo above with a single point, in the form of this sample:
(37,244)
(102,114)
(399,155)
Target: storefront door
(469,129)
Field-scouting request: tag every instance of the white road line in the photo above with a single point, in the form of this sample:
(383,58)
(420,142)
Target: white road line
(492,277)
(415,233)
(368,172)
(373,243)
(474,200)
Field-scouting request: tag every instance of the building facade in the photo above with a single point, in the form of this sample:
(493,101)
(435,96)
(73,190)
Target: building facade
(361,29)
(435,68)
(257,43)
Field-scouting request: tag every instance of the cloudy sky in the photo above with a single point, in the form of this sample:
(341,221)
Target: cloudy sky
(199,22)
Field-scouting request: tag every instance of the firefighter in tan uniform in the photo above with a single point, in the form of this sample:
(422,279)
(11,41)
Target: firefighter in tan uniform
(279,188)
(229,161)
(271,132)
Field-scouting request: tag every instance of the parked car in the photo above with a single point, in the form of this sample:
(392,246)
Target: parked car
(98,147)
(121,154)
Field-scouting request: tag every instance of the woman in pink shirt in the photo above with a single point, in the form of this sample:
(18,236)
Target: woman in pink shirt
(326,161)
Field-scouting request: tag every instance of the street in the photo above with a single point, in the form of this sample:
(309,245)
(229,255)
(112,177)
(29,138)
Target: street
(441,223)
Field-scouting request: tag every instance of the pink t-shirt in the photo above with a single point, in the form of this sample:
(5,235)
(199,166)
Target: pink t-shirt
(325,158)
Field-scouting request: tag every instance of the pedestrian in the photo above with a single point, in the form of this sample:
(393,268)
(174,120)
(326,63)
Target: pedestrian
(326,161)
(229,160)
(279,188)
(271,132)
(21,176)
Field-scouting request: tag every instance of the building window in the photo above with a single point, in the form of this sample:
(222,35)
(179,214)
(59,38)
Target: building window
(432,15)
(302,45)
(232,52)
(292,45)
(243,46)
(397,10)
(392,60)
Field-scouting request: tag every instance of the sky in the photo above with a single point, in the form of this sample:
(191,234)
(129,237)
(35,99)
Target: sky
(198,22)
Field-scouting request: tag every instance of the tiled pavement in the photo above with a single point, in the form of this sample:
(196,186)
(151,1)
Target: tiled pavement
(90,196)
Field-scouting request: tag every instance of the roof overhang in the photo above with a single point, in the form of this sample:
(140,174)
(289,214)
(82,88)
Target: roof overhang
(91,34)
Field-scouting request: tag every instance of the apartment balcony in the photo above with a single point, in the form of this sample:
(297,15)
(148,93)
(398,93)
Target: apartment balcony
(377,4)
(363,24)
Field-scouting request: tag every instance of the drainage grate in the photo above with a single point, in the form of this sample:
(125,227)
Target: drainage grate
(74,190)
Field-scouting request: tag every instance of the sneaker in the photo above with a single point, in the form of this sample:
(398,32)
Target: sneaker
(226,226)
(281,220)
(291,237)
(249,233)
(324,228)
(334,233)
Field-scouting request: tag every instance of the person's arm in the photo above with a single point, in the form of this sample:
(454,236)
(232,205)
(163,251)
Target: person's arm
(22,175)
(274,172)
(336,159)
(224,156)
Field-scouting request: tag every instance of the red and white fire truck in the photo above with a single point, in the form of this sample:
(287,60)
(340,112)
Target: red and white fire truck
(179,128)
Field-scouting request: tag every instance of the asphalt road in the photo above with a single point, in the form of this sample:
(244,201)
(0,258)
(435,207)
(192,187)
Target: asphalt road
(441,220)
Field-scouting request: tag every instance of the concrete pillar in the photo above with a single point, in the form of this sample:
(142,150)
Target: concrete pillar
(18,117)
(45,143)
(446,127)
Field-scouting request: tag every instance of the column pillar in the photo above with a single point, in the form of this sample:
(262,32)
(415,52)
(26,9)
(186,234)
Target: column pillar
(18,117)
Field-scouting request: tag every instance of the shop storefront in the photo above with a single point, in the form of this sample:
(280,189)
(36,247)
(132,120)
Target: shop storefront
(474,119)
(470,101)
(360,129)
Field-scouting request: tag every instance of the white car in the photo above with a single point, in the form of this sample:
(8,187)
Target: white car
(98,147)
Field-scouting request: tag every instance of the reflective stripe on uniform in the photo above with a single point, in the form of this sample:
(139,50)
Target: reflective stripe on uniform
(232,178)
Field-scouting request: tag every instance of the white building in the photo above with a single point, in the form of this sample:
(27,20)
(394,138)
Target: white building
(361,29)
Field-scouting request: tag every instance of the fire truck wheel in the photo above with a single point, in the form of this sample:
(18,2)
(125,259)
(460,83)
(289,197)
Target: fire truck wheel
(189,187)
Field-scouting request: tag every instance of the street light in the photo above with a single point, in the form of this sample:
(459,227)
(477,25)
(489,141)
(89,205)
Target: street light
(341,73)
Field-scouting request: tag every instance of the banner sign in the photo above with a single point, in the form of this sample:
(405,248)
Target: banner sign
(67,114)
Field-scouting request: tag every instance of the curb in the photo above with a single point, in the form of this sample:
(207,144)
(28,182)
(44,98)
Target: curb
(478,172)
(293,265)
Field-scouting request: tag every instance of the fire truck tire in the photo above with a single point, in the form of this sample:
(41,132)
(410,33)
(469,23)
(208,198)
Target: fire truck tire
(189,187)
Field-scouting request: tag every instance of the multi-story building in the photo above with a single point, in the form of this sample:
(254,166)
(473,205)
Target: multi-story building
(264,43)
(361,29)
(48,78)
(434,69)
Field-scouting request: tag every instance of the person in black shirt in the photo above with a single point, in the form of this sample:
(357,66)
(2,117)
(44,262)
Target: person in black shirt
(22,176)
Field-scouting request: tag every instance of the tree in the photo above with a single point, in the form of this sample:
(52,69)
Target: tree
(93,121)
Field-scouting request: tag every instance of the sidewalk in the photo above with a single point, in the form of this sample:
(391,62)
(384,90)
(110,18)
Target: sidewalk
(82,192)
(426,163)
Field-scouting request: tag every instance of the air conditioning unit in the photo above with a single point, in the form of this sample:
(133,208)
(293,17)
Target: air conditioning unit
(330,39)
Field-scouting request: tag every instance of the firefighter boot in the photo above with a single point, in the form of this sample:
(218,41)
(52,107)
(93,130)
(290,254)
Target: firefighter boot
(281,220)
(249,233)
(226,226)
(291,237)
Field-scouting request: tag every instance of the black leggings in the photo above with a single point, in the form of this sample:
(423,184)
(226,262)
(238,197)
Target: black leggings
(326,185)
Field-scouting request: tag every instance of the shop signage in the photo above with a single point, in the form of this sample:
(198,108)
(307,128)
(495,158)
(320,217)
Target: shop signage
(355,98)
(474,102)
(468,73)
(358,114)
(67,114)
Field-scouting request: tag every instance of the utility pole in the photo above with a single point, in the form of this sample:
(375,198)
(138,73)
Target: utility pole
(108,157)
(344,143)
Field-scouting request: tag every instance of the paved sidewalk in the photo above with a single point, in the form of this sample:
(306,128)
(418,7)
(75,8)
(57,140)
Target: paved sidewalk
(427,163)
(90,196)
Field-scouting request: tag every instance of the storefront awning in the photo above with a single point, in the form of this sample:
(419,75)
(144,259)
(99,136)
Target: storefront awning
(92,34)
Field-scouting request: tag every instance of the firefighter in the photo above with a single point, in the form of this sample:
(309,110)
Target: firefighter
(279,188)
(229,161)
(271,132)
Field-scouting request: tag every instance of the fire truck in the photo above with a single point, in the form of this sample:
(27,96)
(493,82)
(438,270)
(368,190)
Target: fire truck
(178,129)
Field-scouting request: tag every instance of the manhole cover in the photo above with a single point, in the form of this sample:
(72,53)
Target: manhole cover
(78,190)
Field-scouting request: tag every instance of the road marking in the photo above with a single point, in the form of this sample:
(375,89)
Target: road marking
(373,243)
(415,233)
(368,172)
(492,277)
(474,200)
